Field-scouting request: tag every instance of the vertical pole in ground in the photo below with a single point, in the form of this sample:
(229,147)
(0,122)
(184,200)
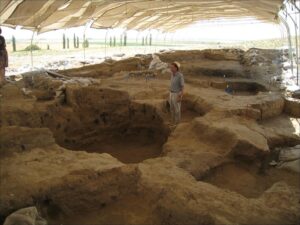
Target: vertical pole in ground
(137,42)
(172,39)
(296,26)
(145,45)
(296,43)
(84,42)
(290,41)
(31,53)
(298,22)
(155,41)
(105,43)
(148,42)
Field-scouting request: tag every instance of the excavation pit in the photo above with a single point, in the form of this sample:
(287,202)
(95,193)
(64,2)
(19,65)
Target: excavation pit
(246,180)
(107,121)
(241,88)
(135,147)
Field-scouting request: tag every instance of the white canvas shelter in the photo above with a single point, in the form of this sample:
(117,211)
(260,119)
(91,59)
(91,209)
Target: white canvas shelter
(167,16)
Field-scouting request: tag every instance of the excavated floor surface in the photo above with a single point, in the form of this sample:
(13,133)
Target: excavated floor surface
(127,150)
(97,147)
(246,179)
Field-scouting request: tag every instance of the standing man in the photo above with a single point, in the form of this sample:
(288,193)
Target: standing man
(176,92)
(3,59)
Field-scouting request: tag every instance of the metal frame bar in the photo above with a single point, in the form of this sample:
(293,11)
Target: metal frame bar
(296,23)
(31,53)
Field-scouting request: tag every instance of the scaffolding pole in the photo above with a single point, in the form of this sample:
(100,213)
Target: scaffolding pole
(31,53)
(296,22)
(105,43)
(289,40)
(296,47)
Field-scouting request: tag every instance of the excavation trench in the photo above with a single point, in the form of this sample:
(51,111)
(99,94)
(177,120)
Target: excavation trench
(246,88)
(241,88)
(246,180)
(107,121)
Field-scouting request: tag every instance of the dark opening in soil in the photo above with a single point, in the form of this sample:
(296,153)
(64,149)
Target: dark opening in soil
(245,88)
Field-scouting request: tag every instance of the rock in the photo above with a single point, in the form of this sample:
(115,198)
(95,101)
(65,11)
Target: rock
(42,85)
(157,64)
(26,216)
(292,107)
(292,165)
(290,154)
(223,54)
(296,94)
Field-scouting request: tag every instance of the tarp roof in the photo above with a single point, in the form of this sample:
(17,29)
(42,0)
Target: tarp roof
(168,16)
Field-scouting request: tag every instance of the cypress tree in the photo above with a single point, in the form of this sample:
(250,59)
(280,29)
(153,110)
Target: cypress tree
(14,43)
(125,39)
(68,43)
(85,43)
(74,40)
(64,41)
(77,43)
(114,40)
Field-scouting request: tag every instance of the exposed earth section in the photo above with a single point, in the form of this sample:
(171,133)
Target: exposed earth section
(95,145)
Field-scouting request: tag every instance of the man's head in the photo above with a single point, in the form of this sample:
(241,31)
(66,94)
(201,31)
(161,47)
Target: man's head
(174,67)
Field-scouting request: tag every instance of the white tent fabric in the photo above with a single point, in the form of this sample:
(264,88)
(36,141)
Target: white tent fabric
(168,16)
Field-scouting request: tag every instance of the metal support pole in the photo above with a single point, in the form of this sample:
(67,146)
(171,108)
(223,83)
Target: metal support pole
(84,41)
(105,43)
(145,46)
(165,39)
(296,22)
(156,37)
(148,47)
(290,41)
(137,42)
(31,53)
(296,48)
(172,39)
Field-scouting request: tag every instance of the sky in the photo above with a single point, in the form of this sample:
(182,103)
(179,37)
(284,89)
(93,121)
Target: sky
(225,30)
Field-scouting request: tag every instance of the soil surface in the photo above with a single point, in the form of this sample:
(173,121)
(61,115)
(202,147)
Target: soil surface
(94,145)
(246,179)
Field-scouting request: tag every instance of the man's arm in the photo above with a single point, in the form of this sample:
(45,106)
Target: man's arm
(182,85)
(180,94)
